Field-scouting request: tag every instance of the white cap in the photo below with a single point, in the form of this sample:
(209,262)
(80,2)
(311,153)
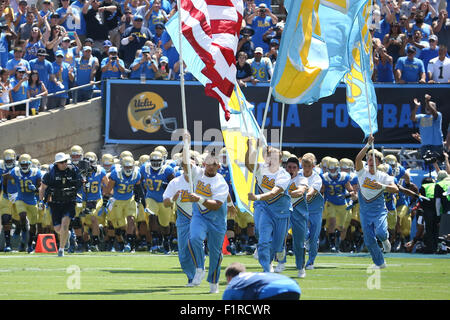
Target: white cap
(60,157)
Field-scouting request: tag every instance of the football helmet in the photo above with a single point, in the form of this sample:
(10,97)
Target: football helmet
(177,158)
(127,164)
(45,167)
(9,156)
(333,167)
(345,164)
(107,161)
(143,159)
(124,154)
(223,156)
(156,160)
(35,164)
(76,154)
(391,160)
(145,113)
(163,151)
(25,162)
(92,157)
(384,167)
(324,163)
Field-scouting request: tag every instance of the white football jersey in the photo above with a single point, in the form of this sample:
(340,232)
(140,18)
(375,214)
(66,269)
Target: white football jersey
(440,70)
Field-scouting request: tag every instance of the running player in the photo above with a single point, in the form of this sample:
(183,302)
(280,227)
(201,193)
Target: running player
(7,208)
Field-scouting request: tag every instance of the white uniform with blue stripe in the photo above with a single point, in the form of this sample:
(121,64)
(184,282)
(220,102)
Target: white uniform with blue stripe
(208,224)
(184,217)
(372,210)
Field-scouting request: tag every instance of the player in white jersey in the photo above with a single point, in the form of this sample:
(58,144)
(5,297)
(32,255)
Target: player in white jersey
(177,191)
(439,67)
(373,212)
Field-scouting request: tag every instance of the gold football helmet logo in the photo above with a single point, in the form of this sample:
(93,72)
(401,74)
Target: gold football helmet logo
(144,113)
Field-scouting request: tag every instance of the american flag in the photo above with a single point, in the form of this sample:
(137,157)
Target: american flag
(212,28)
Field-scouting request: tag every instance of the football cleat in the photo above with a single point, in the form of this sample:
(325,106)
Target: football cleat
(280,267)
(302,273)
(213,288)
(386,246)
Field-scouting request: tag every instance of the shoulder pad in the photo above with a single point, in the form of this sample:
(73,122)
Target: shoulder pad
(135,173)
(17,171)
(34,171)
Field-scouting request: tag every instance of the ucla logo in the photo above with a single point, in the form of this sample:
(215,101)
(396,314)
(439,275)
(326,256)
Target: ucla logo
(369,184)
(267,183)
(145,113)
(184,196)
(292,187)
(202,189)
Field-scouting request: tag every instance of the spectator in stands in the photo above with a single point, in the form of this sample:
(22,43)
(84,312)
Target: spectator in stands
(441,28)
(381,25)
(429,53)
(59,80)
(262,69)
(428,11)
(187,75)
(36,88)
(159,30)
(430,126)
(24,30)
(69,16)
(35,42)
(20,15)
(419,24)
(7,13)
(439,67)
(261,20)
(96,28)
(155,15)
(5,88)
(80,27)
(6,36)
(273,52)
(19,84)
(274,33)
(168,49)
(56,36)
(112,67)
(409,8)
(384,65)
(111,13)
(394,42)
(133,5)
(417,42)
(86,68)
(245,43)
(70,53)
(17,61)
(404,24)
(409,68)
(244,70)
(144,65)
(134,39)
(126,21)
(164,72)
(45,69)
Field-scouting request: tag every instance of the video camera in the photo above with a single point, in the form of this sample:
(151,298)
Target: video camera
(431,157)
(85,167)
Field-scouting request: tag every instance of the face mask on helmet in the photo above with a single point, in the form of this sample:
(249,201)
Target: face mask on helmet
(334,171)
(156,164)
(75,158)
(10,163)
(25,166)
(128,170)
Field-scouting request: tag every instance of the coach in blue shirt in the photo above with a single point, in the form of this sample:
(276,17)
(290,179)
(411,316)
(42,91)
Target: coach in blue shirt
(258,285)
(409,68)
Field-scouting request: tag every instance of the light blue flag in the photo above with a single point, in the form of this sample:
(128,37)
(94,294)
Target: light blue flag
(361,97)
(190,57)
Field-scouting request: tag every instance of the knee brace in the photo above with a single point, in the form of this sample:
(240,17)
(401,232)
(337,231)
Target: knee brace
(230,225)
(76,223)
(6,219)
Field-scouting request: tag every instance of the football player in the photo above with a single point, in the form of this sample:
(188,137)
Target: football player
(155,178)
(27,180)
(7,207)
(93,200)
(107,162)
(335,185)
(76,154)
(125,182)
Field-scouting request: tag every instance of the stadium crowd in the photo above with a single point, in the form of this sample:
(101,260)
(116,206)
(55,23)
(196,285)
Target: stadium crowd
(51,46)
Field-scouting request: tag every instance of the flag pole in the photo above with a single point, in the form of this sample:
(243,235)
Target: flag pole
(183,98)
(364,70)
(282,126)
(261,133)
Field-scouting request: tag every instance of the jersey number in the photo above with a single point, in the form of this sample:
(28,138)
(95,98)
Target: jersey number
(153,185)
(123,188)
(24,186)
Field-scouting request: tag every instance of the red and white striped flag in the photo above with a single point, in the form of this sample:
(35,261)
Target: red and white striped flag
(212,28)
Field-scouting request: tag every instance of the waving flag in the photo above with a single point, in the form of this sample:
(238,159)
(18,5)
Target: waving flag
(302,57)
(361,97)
(236,131)
(210,34)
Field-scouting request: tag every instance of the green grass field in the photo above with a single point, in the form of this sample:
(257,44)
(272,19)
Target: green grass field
(155,276)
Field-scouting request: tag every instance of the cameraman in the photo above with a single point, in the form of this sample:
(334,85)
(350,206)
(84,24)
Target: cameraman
(112,66)
(59,188)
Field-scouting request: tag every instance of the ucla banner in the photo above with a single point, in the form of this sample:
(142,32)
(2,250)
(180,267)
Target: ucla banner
(150,113)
